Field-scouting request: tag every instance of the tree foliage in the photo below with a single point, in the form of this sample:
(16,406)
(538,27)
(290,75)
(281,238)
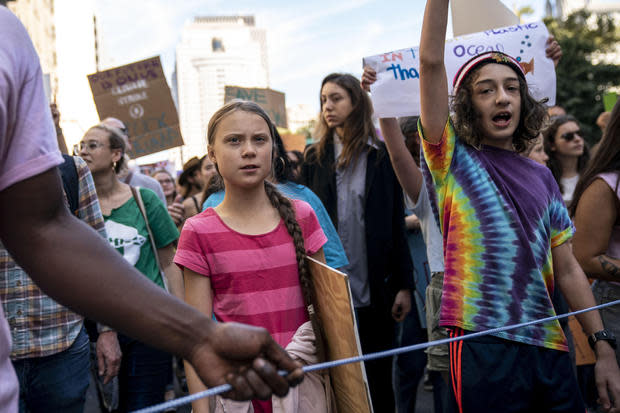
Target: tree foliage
(581,83)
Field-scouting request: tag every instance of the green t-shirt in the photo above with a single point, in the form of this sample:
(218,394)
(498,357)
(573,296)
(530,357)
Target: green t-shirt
(128,234)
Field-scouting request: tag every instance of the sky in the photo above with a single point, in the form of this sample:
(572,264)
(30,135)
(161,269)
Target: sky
(305,40)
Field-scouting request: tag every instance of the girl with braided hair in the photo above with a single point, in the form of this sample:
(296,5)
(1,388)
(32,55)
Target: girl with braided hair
(244,260)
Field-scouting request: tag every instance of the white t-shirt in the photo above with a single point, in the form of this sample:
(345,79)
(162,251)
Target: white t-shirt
(28,146)
(429,228)
(568,187)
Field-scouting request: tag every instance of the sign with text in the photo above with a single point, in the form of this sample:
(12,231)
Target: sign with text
(271,101)
(396,92)
(138,94)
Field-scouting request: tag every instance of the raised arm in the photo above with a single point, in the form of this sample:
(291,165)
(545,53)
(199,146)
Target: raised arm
(433,83)
(404,165)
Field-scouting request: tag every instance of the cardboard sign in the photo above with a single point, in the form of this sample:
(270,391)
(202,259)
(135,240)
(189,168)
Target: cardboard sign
(271,101)
(335,310)
(466,16)
(396,92)
(294,142)
(138,94)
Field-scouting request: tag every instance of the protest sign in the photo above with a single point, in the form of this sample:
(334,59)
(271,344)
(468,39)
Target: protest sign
(466,16)
(397,89)
(138,94)
(270,100)
(334,308)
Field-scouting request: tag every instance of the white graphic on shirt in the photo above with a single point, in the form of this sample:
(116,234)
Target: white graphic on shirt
(125,239)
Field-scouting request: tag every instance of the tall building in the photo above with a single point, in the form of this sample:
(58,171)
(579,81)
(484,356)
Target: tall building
(214,51)
(38,18)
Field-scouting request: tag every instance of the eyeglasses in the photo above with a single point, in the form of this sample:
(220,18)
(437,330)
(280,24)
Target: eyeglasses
(569,136)
(165,181)
(88,146)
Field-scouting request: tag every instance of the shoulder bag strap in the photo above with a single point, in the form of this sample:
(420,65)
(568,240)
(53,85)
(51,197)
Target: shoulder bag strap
(138,197)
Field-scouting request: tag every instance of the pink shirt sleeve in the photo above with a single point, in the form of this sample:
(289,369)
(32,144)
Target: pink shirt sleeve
(189,251)
(313,234)
(28,144)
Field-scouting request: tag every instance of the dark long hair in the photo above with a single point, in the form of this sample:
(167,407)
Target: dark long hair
(606,158)
(466,119)
(281,203)
(549,139)
(357,128)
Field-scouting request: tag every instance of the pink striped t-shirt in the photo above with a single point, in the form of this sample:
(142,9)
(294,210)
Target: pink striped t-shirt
(254,277)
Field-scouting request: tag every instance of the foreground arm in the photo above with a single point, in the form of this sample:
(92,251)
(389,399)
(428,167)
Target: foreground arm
(434,106)
(594,219)
(576,289)
(76,267)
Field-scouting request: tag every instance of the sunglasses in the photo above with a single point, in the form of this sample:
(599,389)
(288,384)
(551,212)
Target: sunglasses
(569,136)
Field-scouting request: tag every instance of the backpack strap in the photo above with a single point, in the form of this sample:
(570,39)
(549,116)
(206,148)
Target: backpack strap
(70,183)
(138,197)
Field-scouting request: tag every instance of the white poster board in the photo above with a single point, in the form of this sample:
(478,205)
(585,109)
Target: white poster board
(396,92)
(466,16)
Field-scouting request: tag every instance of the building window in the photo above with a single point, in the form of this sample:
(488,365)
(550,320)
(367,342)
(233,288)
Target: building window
(217,45)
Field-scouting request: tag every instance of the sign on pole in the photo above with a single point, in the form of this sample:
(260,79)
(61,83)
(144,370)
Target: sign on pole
(270,100)
(396,92)
(138,94)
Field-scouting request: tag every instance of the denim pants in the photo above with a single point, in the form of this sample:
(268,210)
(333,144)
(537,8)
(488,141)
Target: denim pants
(144,374)
(55,383)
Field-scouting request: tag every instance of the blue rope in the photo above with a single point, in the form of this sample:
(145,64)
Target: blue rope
(387,353)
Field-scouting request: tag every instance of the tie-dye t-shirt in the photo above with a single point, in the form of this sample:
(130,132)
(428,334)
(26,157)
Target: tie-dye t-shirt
(500,215)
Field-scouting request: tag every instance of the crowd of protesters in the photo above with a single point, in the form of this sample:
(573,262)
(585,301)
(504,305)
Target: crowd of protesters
(484,211)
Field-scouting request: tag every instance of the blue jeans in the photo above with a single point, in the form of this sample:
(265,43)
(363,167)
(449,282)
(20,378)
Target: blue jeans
(55,383)
(144,374)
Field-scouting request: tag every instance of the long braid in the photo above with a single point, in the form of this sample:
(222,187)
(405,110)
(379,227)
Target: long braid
(285,209)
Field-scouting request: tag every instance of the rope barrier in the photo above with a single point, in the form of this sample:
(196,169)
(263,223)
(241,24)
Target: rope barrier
(387,353)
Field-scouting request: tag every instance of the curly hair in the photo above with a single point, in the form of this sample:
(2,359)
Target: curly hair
(466,117)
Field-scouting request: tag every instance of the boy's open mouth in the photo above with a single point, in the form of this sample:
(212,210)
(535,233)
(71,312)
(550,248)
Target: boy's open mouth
(502,118)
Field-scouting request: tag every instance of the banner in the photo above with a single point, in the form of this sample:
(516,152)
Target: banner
(270,100)
(466,16)
(138,94)
(396,92)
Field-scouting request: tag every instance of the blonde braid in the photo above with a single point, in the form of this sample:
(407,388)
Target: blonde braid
(285,209)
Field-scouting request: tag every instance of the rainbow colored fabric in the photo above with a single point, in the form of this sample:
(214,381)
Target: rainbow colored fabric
(500,215)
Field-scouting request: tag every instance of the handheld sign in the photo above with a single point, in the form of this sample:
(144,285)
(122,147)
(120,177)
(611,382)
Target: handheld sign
(337,318)
(396,92)
(138,94)
(270,100)
(466,16)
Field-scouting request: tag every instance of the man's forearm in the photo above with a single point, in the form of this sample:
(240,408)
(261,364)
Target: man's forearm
(576,289)
(79,269)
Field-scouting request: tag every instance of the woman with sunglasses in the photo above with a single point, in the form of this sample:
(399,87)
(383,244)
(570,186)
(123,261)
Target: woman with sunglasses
(144,370)
(567,151)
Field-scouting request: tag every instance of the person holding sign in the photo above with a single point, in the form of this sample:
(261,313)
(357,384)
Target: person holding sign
(244,260)
(506,236)
(349,170)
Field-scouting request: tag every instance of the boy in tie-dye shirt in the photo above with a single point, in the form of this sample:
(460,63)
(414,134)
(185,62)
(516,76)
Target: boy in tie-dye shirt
(505,230)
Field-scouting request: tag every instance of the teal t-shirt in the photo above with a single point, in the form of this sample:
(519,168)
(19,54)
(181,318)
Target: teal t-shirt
(127,232)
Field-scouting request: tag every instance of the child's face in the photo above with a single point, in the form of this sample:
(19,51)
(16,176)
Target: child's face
(497,100)
(336,105)
(242,149)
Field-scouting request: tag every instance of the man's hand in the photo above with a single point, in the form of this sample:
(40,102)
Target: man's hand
(108,355)
(248,359)
(607,378)
(553,50)
(177,210)
(368,78)
(402,305)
